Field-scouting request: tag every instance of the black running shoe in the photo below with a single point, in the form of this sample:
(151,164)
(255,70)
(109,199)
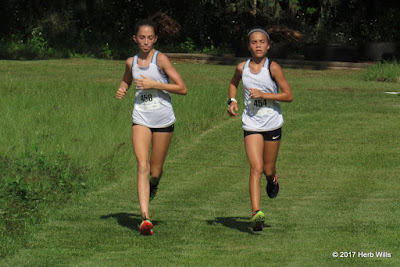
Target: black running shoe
(153,191)
(273,188)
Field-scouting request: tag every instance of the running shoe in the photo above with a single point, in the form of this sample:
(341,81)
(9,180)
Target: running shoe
(146,227)
(257,220)
(273,188)
(153,191)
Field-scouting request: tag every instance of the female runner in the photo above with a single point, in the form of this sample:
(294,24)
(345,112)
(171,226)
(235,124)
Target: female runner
(262,117)
(153,115)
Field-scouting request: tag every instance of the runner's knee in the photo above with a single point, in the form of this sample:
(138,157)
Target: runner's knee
(256,170)
(269,171)
(143,166)
(156,172)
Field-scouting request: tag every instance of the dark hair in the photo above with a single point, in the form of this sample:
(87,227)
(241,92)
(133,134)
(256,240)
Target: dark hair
(161,23)
(256,28)
(146,22)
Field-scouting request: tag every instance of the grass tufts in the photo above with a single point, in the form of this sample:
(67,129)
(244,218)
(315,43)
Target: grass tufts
(388,71)
(30,186)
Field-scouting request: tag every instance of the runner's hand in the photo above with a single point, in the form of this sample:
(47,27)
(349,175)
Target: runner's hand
(145,83)
(121,92)
(255,93)
(232,108)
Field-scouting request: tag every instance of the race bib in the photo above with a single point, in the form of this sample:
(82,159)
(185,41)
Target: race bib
(260,107)
(148,100)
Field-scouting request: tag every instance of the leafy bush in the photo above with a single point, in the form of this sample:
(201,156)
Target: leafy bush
(188,46)
(106,52)
(388,71)
(35,47)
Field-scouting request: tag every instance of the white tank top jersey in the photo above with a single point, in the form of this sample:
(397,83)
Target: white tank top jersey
(153,107)
(260,115)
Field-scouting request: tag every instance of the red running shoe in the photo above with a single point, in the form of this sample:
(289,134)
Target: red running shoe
(146,227)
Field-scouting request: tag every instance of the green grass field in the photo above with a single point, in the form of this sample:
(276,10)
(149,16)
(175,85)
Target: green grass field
(339,170)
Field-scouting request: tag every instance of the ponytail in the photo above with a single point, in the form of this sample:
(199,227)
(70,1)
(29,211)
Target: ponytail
(162,24)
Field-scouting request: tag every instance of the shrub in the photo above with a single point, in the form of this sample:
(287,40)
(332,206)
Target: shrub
(388,71)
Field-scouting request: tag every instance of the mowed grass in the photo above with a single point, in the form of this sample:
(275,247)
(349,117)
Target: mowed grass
(338,168)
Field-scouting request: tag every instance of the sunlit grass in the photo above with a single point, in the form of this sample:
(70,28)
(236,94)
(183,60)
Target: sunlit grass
(338,169)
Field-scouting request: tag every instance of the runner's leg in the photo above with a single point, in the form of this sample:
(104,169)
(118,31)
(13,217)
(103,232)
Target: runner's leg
(254,145)
(141,140)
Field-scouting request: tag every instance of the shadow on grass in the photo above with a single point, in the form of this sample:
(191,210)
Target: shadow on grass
(128,220)
(239,223)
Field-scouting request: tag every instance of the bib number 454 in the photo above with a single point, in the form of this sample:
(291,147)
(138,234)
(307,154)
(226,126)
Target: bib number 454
(260,103)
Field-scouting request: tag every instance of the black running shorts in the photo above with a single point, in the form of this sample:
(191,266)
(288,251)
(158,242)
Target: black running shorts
(168,129)
(274,135)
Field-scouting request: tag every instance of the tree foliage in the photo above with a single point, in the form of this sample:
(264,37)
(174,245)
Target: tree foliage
(101,26)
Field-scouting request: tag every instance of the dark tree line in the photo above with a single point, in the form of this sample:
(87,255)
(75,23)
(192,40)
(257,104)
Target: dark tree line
(105,27)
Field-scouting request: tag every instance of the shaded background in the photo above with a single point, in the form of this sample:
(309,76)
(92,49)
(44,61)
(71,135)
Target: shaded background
(103,28)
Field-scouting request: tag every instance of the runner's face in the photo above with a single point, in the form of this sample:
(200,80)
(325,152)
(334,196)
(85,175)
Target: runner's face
(145,38)
(258,44)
